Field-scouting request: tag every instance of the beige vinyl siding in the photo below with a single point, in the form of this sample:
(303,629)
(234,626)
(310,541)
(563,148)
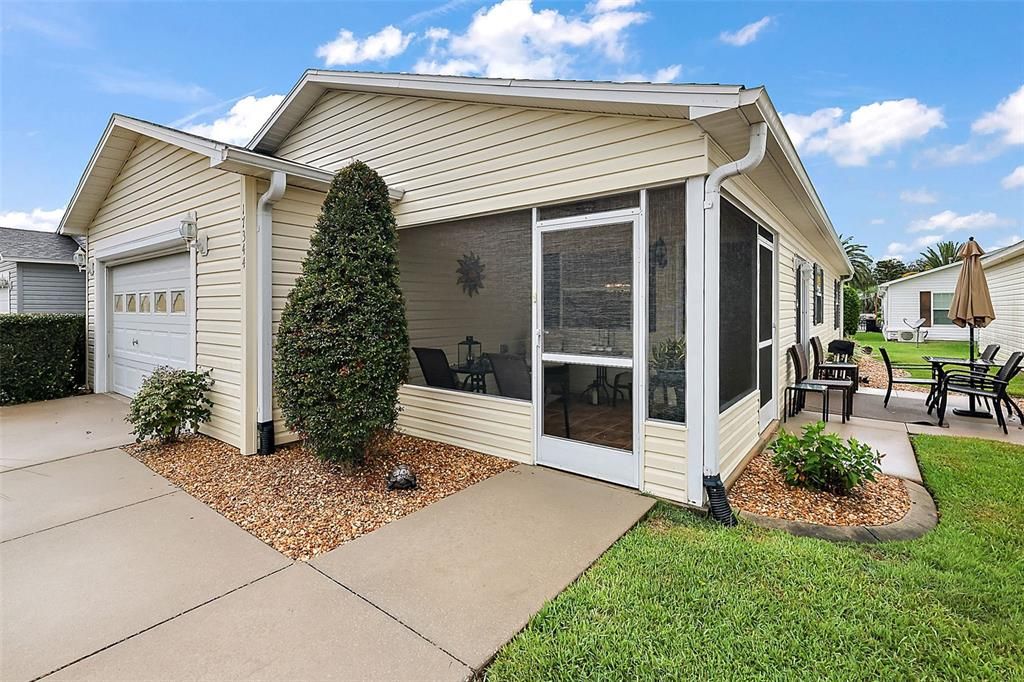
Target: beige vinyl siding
(1006,285)
(160,181)
(738,431)
(665,460)
(456,160)
(489,424)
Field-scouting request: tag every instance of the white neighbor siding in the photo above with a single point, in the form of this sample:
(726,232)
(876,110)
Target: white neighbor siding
(903,301)
(1006,285)
(160,181)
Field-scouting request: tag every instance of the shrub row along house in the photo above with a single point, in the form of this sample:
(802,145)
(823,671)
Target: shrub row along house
(927,296)
(655,248)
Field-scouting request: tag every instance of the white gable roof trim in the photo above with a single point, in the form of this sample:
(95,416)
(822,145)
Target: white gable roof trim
(988,260)
(120,138)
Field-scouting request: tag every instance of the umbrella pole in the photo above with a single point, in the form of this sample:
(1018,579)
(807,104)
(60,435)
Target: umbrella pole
(972,410)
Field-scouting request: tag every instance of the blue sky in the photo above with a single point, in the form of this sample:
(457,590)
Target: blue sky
(909,116)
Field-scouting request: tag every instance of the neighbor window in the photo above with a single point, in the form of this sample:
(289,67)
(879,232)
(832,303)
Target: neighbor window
(819,294)
(940,308)
(468,293)
(666,303)
(737,343)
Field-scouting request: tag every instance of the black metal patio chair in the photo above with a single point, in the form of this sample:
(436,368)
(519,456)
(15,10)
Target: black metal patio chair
(907,381)
(983,386)
(845,385)
(436,370)
(795,396)
(512,376)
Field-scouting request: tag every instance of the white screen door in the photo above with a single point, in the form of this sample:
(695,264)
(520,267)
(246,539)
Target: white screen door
(588,307)
(767,375)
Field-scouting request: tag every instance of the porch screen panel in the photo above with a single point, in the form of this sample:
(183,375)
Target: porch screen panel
(738,306)
(469,278)
(666,303)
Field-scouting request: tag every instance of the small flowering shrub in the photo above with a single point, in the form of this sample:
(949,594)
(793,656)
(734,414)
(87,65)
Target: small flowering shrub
(170,402)
(824,461)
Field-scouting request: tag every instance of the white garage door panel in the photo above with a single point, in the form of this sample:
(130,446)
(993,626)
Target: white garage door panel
(144,334)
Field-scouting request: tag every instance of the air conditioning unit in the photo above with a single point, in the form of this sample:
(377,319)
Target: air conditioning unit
(906,335)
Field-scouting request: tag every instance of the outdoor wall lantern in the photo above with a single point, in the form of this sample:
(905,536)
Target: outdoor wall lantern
(80,259)
(189,231)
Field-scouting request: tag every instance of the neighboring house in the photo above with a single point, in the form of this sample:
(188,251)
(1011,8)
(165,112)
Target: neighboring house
(927,295)
(37,273)
(1004,270)
(575,225)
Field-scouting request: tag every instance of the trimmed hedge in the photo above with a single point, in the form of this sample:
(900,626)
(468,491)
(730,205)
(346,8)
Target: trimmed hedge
(851,311)
(42,356)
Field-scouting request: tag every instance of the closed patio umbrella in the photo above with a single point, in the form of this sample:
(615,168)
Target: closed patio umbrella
(972,304)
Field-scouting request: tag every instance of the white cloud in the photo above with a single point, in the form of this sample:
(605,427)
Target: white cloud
(1014,179)
(878,221)
(871,130)
(802,126)
(241,122)
(745,35)
(901,250)
(511,40)
(119,81)
(918,196)
(667,74)
(973,151)
(950,221)
(38,219)
(1009,240)
(1006,120)
(347,49)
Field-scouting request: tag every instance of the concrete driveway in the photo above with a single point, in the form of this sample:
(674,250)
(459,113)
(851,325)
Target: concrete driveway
(109,572)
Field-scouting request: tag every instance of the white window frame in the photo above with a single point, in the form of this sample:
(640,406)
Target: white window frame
(946,322)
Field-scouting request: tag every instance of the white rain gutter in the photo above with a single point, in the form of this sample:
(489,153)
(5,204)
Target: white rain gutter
(712,321)
(264,312)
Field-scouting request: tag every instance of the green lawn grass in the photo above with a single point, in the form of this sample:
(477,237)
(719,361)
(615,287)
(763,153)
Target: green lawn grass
(681,598)
(909,353)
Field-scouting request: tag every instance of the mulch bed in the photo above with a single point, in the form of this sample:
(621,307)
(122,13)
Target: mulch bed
(873,368)
(762,490)
(302,506)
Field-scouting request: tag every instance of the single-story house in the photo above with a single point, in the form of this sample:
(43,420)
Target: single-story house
(927,296)
(1004,270)
(655,247)
(38,273)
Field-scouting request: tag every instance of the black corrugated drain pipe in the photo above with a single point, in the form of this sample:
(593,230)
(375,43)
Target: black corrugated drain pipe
(718,502)
(265,438)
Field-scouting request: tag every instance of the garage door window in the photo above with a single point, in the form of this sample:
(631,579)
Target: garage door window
(160,302)
(130,303)
(177,301)
(118,303)
(144,306)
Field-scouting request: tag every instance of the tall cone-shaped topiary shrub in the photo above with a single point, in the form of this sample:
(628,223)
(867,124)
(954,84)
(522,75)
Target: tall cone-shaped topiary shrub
(343,345)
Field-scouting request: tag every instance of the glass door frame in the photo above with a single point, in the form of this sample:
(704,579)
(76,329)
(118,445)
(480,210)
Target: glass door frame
(630,475)
(770,411)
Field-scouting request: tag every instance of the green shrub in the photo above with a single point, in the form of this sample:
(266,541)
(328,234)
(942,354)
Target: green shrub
(670,354)
(170,402)
(343,345)
(824,461)
(851,311)
(42,356)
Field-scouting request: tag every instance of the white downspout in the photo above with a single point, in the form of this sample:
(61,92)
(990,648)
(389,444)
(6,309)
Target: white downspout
(712,240)
(264,312)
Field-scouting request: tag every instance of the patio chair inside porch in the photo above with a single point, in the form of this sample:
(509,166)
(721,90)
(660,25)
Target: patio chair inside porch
(436,370)
(513,378)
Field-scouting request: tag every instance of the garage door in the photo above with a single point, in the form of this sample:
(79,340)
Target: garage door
(151,314)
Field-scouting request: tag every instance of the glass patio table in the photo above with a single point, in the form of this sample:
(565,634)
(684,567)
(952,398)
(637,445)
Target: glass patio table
(938,362)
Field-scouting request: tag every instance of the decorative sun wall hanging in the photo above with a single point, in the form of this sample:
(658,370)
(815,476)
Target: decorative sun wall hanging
(471,274)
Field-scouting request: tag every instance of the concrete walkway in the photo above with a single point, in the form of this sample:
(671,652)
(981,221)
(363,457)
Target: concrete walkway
(109,572)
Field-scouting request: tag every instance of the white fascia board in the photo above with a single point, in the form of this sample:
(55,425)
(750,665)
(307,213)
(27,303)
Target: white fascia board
(45,261)
(85,176)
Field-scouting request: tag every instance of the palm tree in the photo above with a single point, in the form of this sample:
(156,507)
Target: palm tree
(863,272)
(941,254)
(861,261)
